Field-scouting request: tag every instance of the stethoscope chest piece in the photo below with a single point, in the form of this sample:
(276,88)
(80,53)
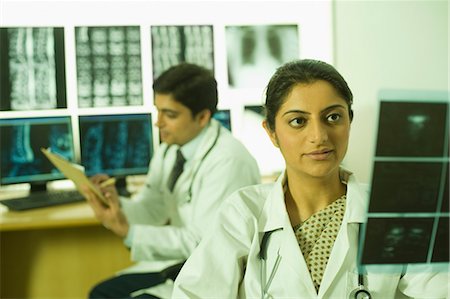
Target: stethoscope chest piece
(361,292)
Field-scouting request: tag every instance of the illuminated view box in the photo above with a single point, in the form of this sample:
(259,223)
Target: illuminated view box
(408,214)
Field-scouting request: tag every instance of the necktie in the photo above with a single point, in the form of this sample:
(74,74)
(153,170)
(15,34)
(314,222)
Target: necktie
(176,170)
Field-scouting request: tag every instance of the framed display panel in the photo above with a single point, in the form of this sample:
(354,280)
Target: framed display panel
(172,45)
(108,66)
(32,62)
(254,52)
(408,213)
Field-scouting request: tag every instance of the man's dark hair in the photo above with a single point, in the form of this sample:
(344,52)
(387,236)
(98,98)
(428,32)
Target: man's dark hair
(193,86)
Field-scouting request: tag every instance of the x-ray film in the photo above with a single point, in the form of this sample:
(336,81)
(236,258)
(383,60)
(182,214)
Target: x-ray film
(254,52)
(172,45)
(33,69)
(108,66)
(408,212)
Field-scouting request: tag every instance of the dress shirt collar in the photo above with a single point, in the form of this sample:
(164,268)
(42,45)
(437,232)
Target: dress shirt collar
(189,149)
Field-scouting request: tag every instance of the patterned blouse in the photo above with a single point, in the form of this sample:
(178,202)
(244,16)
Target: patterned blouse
(316,237)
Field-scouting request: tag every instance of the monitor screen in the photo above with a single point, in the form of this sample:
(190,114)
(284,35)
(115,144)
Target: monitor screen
(117,145)
(20,142)
(223,116)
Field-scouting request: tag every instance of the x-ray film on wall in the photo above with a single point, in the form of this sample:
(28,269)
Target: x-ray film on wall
(408,213)
(108,66)
(32,66)
(254,52)
(172,45)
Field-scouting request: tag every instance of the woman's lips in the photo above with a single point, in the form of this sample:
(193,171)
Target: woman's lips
(320,155)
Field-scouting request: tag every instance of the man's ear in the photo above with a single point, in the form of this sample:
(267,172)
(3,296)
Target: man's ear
(203,117)
(272,134)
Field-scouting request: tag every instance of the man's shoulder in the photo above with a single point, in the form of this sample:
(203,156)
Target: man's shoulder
(227,144)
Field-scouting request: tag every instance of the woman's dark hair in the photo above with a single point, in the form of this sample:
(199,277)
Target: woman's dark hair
(193,86)
(302,71)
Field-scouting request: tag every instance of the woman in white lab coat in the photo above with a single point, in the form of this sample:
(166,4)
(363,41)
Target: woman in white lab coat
(298,237)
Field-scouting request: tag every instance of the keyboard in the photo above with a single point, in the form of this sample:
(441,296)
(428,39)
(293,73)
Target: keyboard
(42,199)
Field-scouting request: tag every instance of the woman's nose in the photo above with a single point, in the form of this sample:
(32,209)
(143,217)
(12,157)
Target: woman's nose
(317,133)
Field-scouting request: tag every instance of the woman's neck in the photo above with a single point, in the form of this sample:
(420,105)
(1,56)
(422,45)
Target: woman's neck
(306,195)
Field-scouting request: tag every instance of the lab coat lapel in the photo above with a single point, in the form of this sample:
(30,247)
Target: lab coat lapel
(341,253)
(275,216)
(293,258)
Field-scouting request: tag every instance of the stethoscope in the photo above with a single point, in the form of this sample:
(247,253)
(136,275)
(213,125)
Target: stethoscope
(360,292)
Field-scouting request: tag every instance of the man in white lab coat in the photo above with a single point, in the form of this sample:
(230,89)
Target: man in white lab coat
(198,164)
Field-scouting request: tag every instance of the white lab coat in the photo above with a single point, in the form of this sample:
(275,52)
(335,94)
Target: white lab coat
(226,263)
(220,166)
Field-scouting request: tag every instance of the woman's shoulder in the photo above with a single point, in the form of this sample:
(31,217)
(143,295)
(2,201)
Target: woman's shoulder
(249,201)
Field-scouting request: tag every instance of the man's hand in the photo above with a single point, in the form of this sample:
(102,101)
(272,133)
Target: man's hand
(110,216)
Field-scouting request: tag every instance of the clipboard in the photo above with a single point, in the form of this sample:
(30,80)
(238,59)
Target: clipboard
(74,172)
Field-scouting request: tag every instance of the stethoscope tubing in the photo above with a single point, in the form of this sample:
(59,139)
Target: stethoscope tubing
(361,292)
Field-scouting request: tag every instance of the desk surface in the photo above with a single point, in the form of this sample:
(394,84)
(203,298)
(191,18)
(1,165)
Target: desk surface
(66,215)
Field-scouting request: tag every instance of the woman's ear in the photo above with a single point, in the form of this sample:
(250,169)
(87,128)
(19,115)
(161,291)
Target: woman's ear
(272,134)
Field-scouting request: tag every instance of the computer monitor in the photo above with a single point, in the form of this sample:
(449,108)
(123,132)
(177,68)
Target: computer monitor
(20,142)
(224,117)
(118,145)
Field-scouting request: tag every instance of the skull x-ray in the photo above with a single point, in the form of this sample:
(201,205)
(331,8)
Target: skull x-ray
(411,129)
(397,240)
(409,199)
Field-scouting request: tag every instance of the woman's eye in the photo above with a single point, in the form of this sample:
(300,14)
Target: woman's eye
(333,117)
(297,122)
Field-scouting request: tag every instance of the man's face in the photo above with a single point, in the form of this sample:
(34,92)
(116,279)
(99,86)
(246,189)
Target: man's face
(175,121)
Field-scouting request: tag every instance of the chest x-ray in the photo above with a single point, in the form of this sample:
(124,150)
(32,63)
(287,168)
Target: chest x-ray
(254,52)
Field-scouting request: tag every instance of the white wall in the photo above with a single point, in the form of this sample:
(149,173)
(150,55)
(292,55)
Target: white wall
(387,44)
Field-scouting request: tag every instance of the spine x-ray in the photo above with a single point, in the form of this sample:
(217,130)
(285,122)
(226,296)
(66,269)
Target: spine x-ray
(108,66)
(32,66)
(172,45)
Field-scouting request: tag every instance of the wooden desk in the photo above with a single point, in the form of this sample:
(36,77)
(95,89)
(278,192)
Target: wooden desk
(56,252)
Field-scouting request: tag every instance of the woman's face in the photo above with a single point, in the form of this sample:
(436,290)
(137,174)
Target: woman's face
(312,130)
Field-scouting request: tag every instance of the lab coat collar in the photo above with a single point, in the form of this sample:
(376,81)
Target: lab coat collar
(274,212)
(357,201)
(189,149)
(205,140)
(274,216)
